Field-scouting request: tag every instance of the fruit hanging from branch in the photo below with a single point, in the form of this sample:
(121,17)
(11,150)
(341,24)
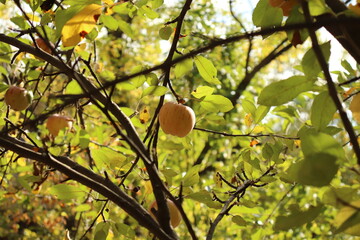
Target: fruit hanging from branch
(57,122)
(18,98)
(175,216)
(176,119)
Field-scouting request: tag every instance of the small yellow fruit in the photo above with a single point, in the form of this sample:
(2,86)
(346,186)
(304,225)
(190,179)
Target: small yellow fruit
(57,122)
(175,216)
(176,119)
(18,98)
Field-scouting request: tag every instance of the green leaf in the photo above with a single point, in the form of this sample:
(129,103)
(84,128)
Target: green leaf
(73,88)
(297,218)
(206,69)
(68,192)
(122,229)
(109,21)
(139,80)
(202,91)
(281,92)
(165,32)
(154,91)
(315,170)
(248,106)
(265,15)
(238,220)
(310,63)
(216,103)
(191,177)
(322,110)
(183,67)
(126,28)
(19,21)
(318,7)
(102,230)
(314,142)
(348,219)
(105,157)
(84,139)
(205,197)
(3,86)
(260,113)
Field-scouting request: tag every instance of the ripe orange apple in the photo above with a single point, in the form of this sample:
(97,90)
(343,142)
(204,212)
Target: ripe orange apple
(176,119)
(18,98)
(285,5)
(57,122)
(175,216)
(355,107)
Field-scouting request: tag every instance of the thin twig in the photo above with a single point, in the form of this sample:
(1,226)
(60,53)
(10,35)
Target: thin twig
(245,135)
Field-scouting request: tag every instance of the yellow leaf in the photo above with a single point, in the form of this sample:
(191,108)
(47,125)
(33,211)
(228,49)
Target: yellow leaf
(248,120)
(217,180)
(80,25)
(258,129)
(144,115)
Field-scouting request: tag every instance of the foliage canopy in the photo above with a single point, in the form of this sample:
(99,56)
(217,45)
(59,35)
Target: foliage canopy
(274,152)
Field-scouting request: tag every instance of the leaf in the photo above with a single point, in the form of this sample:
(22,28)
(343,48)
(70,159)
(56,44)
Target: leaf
(80,25)
(206,69)
(68,192)
(297,218)
(248,120)
(265,15)
(202,91)
(315,170)
(310,63)
(183,67)
(260,113)
(126,28)
(105,157)
(248,106)
(238,220)
(110,22)
(154,91)
(348,219)
(322,110)
(216,103)
(281,92)
(191,177)
(205,197)
(165,32)
(144,115)
(102,230)
(73,88)
(314,142)
(124,230)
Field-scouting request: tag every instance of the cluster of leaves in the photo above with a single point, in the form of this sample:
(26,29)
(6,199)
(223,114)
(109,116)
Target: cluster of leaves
(279,161)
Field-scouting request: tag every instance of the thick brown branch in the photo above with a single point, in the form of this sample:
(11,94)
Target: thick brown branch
(90,179)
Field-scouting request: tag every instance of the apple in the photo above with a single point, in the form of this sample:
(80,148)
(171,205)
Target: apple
(176,119)
(175,216)
(57,122)
(18,98)
(355,107)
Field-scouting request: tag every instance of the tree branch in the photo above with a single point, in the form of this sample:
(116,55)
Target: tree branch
(88,178)
(331,86)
